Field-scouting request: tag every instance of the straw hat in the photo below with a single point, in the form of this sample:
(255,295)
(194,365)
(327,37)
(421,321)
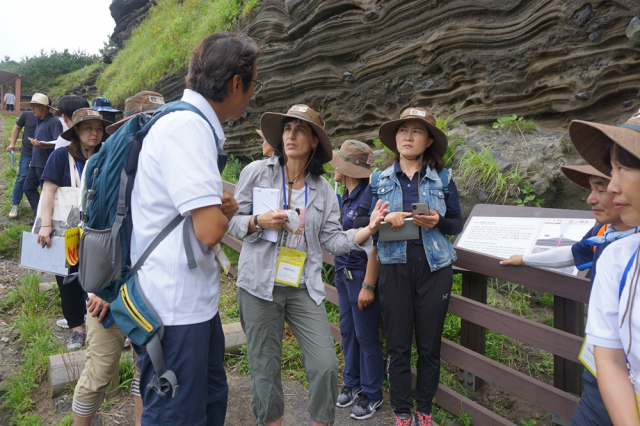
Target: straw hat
(144,101)
(581,174)
(271,125)
(85,114)
(38,98)
(354,159)
(388,130)
(592,140)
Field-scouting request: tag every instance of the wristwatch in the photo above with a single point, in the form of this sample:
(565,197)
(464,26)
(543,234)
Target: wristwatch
(255,222)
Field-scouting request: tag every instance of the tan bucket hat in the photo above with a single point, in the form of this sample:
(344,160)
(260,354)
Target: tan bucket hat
(85,114)
(591,140)
(581,174)
(38,98)
(145,101)
(354,159)
(388,130)
(271,125)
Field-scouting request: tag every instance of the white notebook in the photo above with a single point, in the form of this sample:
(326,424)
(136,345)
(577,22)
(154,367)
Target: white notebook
(270,197)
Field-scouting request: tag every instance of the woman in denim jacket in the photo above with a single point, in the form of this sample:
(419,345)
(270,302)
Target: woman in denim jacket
(415,276)
(309,222)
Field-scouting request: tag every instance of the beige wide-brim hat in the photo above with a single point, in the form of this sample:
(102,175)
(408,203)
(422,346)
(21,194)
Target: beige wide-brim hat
(388,130)
(581,174)
(85,114)
(353,160)
(145,101)
(592,140)
(38,98)
(271,125)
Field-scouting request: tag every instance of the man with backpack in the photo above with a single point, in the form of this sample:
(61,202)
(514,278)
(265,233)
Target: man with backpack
(178,174)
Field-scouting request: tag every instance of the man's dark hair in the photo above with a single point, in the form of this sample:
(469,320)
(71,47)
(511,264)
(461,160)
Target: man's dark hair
(217,59)
(70,104)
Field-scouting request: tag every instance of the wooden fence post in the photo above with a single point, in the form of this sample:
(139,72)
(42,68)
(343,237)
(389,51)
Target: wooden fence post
(568,315)
(473,336)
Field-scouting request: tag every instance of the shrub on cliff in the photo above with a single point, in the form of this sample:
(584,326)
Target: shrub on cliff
(162,44)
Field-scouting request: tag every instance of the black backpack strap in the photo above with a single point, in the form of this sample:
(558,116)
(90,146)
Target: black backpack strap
(121,215)
(186,239)
(156,241)
(164,381)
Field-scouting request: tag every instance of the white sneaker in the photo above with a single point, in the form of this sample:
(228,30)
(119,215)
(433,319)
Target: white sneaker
(13,214)
(62,323)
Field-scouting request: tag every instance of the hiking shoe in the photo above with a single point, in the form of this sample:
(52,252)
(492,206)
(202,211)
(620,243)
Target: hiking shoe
(13,214)
(365,408)
(127,343)
(62,323)
(422,419)
(76,341)
(402,419)
(348,396)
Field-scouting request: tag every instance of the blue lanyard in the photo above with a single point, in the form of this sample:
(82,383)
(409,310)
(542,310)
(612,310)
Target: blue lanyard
(284,191)
(623,281)
(79,169)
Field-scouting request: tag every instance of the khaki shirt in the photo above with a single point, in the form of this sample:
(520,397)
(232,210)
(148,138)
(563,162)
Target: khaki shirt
(258,258)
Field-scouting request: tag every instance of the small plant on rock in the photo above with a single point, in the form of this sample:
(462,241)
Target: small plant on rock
(516,124)
(528,197)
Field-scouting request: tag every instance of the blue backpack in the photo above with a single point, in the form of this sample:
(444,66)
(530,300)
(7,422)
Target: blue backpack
(445,177)
(104,263)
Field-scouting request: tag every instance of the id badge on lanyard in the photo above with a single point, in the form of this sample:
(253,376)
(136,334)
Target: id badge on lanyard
(290,261)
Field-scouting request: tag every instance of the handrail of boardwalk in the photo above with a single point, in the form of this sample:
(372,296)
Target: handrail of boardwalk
(475,268)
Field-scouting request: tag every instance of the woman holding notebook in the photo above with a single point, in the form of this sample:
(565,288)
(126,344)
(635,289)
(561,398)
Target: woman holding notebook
(280,281)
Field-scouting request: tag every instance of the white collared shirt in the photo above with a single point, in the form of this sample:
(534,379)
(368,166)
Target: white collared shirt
(177,173)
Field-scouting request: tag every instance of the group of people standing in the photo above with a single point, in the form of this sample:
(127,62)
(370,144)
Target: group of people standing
(407,282)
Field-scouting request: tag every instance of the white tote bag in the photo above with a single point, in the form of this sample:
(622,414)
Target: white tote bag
(66,214)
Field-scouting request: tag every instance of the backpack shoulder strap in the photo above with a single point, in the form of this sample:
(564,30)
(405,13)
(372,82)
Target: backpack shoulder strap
(373,183)
(445,178)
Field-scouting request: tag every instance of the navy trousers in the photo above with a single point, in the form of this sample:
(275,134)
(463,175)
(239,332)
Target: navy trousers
(195,353)
(590,411)
(364,364)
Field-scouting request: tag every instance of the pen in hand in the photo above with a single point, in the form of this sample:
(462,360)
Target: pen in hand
(273,210)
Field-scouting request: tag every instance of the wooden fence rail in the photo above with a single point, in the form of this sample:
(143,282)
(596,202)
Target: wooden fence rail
(563,341)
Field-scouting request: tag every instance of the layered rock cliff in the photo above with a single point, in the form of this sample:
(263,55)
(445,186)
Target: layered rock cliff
(361,62)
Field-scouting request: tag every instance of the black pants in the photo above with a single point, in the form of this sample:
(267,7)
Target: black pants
(30,188)
(73,300)
(413,298)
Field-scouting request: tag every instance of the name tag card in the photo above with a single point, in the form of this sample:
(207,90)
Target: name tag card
(289,267)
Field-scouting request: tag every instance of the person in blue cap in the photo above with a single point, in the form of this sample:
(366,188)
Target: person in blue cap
(106,109)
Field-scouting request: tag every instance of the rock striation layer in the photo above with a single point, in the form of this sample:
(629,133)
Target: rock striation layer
(362,62)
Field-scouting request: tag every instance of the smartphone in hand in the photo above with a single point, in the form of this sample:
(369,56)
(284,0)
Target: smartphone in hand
(420,208)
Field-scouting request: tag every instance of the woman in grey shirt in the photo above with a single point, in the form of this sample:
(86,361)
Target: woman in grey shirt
(281,281)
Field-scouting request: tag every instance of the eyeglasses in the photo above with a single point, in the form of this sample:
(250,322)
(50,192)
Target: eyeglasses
(257,86)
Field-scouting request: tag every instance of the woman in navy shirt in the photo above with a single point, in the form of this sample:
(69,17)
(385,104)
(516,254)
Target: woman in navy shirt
(415,276)
(356,280)
(86,135)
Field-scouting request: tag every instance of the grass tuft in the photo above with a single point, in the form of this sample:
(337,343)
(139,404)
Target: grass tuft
(32,312)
